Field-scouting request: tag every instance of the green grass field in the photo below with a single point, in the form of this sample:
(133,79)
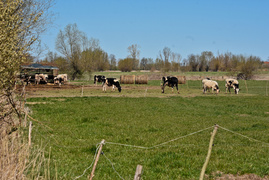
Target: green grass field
(145,117)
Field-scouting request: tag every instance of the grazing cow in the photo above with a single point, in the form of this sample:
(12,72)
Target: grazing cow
(211,84)
(111,82)
(63,77)
(98,78)
(25,78)
(171,82)
(58,80)
(203,81)
(41,78)
(232,83)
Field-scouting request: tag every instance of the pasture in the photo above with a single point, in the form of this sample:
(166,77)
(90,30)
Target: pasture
(142,116)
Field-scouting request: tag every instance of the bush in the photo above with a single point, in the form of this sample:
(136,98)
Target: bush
(125,65)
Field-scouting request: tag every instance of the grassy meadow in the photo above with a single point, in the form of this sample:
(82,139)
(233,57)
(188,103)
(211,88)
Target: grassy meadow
(142,116)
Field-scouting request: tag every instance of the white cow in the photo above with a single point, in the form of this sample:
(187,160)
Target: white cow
(63,76)
(232,83)
(41,77)
(203,81)
(209,84)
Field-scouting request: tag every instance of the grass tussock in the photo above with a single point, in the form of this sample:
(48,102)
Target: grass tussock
(14,155)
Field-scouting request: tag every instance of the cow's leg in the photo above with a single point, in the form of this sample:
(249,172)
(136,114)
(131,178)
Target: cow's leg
(177,88)
(163,87)
(113,87)
(104,87)
(234,89)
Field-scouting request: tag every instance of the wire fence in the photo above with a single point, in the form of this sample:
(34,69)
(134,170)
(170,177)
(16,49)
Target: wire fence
(158,145)
(56,143)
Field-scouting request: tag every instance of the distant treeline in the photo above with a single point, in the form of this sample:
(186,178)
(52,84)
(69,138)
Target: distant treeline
(81,55)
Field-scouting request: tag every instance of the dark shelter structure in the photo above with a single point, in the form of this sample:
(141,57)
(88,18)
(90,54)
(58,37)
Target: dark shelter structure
(33,69)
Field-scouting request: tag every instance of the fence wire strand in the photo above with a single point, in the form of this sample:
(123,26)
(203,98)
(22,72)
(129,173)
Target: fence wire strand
(113,167)
(158,145)
(143,147)
(90,165)
(249,138)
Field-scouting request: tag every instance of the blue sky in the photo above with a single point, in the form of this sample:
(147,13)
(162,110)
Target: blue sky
(185,26)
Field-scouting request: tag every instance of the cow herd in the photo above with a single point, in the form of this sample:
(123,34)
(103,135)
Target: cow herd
(169,81)
(172,82)
(43,78)
(229,83)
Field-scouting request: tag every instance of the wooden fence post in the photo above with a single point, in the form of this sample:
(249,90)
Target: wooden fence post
(209,152)
(97,158)
(138,172)
(82,91)
(24,96)
(30,133)
(25,118)
(145,92)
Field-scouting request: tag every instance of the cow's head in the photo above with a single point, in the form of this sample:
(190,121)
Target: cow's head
(163,79)
(117,84)
(119,88)
(217,89)
(236,88)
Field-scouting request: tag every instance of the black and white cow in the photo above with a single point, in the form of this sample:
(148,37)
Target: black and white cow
(25,78)
(98,78)
(111,82)
(171,82)
(58,80)
(232,83)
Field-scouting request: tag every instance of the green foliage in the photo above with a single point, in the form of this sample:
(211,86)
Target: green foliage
(249,65)
(95,60)
(11,47)
(125,65)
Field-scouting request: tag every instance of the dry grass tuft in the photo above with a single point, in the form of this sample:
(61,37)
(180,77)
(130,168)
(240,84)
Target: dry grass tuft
(17,159)
(14,155)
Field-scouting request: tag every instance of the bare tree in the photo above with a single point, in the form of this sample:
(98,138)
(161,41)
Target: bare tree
(204,59)
(70,43)
(165,55)
(134,54)
(94,44)
(112,62)
(37,18)
(193,61)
